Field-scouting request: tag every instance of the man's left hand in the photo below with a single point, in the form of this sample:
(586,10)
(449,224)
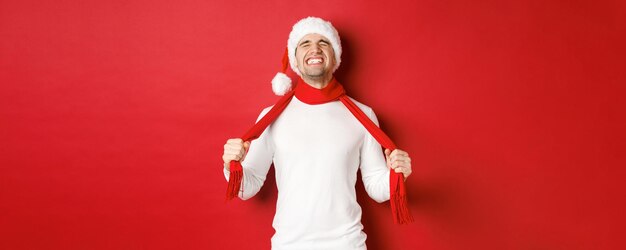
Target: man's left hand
(399,161)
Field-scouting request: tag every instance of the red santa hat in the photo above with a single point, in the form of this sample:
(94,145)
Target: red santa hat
(281,83)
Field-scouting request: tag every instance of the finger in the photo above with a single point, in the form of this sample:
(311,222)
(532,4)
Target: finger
(404,164)
(405,171)
(243,156)
(387,152)
(228,158)
(231,147)
(405,174)
(233,144)
(246,145)
(234,140)
(400,164)
(400,170)
(399,152)
(232,151)
(232,156)
(403,158)
(392,156)
(400,157)
(394,153)
(235,147)
(395,164)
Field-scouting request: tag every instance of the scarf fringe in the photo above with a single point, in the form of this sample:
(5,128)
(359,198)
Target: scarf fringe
(234,180)
(399,205)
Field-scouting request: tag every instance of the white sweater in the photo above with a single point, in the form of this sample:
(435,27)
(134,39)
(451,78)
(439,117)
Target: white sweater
(317,150)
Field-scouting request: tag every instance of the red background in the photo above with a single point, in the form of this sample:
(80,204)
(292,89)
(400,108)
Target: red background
(113,115)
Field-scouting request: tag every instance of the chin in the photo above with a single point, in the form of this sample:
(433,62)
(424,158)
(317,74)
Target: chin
(315,76)
(316,73)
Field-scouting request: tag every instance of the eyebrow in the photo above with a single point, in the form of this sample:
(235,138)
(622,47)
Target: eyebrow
(309,41)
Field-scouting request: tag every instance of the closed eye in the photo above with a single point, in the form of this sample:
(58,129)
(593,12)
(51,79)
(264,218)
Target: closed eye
(304,43)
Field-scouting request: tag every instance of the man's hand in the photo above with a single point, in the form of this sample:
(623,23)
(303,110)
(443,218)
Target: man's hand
(399,161)
(234,150)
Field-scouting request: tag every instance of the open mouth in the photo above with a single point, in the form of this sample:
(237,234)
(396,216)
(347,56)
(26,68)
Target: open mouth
(315,61)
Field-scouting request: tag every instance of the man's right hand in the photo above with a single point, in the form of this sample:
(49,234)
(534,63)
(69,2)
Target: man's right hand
(234,150)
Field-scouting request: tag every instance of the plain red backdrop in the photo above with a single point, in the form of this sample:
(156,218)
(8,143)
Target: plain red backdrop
(113,115)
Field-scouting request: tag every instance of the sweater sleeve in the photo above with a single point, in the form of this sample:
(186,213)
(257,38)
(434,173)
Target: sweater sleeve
(256,164)
(374,170)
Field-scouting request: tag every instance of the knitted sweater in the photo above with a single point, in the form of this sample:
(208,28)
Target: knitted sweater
(316,151)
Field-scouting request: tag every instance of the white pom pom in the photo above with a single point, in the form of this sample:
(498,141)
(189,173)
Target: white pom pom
(281,84)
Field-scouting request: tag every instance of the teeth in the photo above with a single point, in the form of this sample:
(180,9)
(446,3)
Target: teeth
(314,60)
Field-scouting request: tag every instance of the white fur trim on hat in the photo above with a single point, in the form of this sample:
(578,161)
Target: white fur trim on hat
(281,84)
(312,25)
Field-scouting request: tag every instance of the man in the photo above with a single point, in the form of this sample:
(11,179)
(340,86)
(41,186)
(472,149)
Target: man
(317,146)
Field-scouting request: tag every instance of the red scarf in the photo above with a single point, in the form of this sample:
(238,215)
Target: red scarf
(332,92)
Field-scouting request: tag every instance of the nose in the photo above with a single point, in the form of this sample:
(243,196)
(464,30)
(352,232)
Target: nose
(316,49)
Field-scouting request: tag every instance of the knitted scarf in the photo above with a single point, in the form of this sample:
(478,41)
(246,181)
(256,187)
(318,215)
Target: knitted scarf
(332,92)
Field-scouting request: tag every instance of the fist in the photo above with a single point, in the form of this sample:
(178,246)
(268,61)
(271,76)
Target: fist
(399,161)
(234,150)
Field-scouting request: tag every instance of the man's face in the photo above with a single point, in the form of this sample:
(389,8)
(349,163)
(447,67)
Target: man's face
(315,56)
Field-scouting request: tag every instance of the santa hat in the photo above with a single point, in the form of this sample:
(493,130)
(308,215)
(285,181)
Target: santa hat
(281,83)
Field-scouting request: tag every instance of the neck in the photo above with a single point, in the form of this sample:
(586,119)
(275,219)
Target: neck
(318,82)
